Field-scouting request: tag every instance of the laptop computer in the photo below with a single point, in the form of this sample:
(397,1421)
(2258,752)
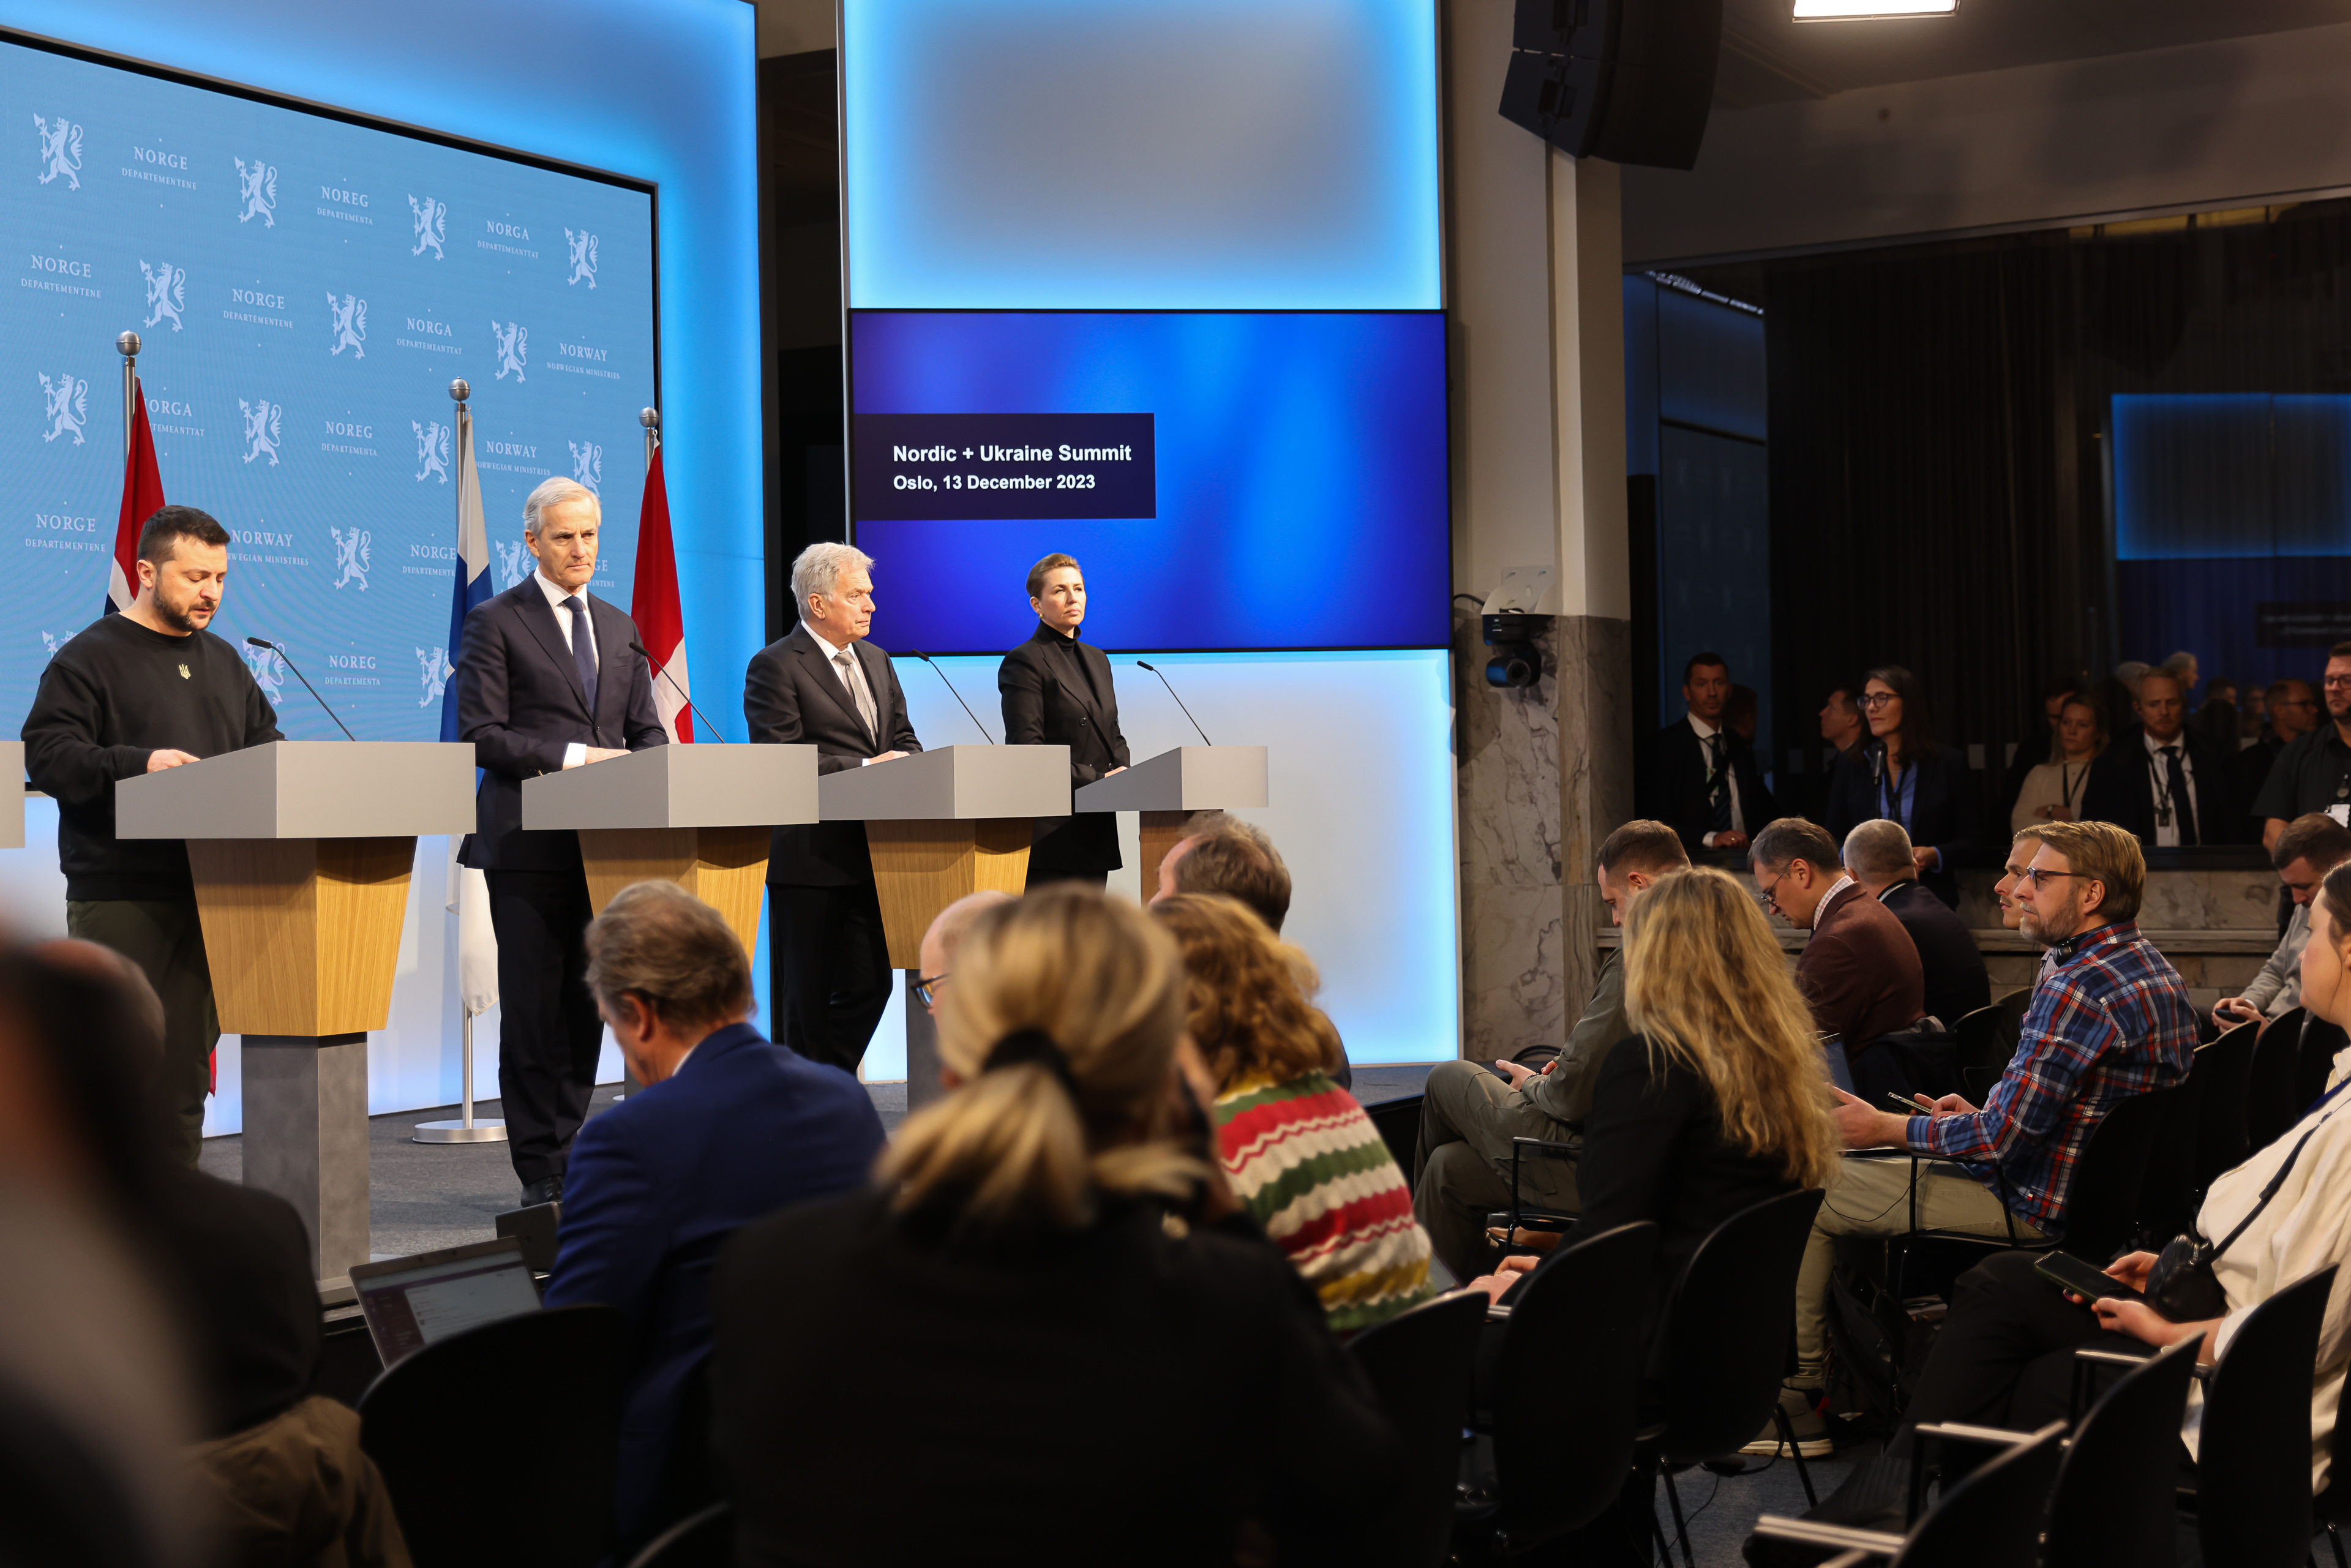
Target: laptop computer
(409,1303)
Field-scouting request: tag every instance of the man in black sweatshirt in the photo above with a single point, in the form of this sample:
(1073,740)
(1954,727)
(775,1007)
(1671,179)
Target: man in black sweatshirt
(138,693)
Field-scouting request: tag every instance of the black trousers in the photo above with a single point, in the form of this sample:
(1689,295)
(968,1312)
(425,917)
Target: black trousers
(549,1033)
(165,939)
(2005,1357)
(832,969)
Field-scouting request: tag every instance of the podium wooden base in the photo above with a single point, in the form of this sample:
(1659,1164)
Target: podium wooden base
(726,868)
(920,868)
(306,1138)
(1161,831)
(302,934)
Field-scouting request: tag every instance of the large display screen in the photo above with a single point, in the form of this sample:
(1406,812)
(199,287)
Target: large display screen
(1228,480)
(307,287)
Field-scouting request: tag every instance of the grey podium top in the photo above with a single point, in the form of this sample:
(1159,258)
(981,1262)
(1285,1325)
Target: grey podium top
(1188,778)
(953,783)
(306,789)
(701,786)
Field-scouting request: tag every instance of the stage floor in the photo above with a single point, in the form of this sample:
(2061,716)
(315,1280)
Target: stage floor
(430,1195)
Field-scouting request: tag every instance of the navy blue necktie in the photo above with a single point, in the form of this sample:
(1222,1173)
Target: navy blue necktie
(583,647)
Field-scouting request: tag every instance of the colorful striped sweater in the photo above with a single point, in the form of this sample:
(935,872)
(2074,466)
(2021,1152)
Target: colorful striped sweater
(1310,1167)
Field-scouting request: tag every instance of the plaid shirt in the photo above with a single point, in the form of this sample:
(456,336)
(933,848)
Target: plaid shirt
(2111,1019)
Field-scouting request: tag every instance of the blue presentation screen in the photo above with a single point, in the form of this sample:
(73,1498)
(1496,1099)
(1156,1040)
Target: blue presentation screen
(306,288)
(1228,480)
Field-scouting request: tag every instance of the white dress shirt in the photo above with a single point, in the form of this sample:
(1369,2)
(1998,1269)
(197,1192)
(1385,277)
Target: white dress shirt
(575,754)
(1707,732)
(853,681)
(2167,834)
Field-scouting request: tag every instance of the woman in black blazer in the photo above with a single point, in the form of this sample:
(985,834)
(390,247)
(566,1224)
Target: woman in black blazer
(1057,690)
(1049,1335)
(1900,773)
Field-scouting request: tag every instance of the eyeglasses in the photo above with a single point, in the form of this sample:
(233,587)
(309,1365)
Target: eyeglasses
(1875,699)
(2037,875)
(2332,682)
(1771,893)
(926,989)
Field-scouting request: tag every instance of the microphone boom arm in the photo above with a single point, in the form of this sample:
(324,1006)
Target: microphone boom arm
(306,686)
(1179,702)
(637,646)
(957,695)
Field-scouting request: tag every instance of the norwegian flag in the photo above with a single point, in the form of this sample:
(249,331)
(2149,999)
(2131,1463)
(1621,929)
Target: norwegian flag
(142,496)
(654,607)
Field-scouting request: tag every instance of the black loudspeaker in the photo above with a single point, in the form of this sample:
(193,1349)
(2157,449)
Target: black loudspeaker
(1629,80)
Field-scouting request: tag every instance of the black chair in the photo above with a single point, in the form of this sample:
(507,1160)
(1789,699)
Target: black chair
(2332,1508)
(2116,1505)
(2321,1044)
(2251,1496)
(2102,1208)
(61,1500)
(1978,1053)
(1990,1519)
(1398,1122)
(1420,1364)
(2270,1105)
(706,1540)
(498,1444)
(1724,1345)
(1549,1458)
(2013,1008)
(2220,1075)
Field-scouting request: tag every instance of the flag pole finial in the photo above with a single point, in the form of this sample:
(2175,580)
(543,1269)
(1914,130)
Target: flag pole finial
(459,391)
(127,345)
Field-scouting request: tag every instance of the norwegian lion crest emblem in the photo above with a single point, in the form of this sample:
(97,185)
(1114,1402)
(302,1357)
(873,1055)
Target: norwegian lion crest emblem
(434,665)
(60,152)
(268,669)
(262,418)
(257,187)
(432,227)
(67,398)
(352,556)
(588,463)
(584,256)
(510,567)
(514,348)
(431,449)
(349,325)
(167,292)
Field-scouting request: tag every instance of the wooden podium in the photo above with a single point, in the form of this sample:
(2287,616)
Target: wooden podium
(1168,787)
(301,852)
(12,810)
(939,825)
(696,815)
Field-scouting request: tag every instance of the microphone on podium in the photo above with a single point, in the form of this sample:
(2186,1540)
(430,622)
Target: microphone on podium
(1179,701)
(637,646)
(274,648)
(957,696)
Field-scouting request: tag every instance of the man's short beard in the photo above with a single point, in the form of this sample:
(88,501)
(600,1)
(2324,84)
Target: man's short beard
(179,619)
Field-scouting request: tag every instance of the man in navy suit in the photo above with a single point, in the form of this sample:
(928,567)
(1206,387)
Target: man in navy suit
(1697,774)
(548,678)
(729,1128)
(824,684)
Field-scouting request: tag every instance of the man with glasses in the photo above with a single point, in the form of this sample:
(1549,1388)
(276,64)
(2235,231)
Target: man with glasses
(941,940)
(2110,1018)
(2314,772)
(2290,710)
(1859,969)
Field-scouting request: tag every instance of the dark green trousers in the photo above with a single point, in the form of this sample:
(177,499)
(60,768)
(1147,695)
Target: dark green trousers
(163,937)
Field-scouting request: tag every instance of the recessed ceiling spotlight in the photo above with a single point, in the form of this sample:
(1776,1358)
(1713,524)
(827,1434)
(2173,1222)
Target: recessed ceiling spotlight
(1870,10)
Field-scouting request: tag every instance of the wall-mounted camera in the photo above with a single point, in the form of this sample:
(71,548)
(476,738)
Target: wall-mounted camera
(1514,615)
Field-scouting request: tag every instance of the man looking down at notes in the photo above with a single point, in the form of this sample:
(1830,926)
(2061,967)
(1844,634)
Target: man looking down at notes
(547,678)
(138,693)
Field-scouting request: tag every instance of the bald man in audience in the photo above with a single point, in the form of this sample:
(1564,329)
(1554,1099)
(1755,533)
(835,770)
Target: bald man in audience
(1469,1116)
(944,936)
(1878,854)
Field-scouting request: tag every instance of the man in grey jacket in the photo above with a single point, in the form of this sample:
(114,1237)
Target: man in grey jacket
(1461,1170)
(2309,847)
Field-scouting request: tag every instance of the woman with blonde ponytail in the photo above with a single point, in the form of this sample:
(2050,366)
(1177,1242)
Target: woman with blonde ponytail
(1722,1100)
(1049,1298)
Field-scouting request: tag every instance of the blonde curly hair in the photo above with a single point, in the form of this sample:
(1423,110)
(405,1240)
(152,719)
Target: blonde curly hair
(1246,992)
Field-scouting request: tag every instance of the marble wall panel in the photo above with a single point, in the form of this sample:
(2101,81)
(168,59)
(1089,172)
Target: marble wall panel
(1513,930)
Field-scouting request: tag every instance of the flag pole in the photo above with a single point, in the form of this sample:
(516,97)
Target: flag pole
(651,419)
(127,345)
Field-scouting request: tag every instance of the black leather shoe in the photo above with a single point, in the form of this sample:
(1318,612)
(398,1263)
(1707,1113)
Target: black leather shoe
(546,1189)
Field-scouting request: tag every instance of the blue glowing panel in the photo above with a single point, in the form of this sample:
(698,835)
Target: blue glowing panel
(1150,154)
(307,289)
(1296,497)
(2216,475)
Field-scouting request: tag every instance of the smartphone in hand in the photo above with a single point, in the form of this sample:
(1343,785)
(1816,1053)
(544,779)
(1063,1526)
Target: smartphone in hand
(2071,1274)
(1914,1107)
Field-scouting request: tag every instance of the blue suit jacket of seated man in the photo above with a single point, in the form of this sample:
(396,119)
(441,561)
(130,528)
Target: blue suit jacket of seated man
(658,1183)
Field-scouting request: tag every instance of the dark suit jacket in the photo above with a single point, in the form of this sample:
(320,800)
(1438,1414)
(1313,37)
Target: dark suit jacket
(1957,982)
(1860,971)
(1672,783)
(1053,699)
(520,702)
(1944,813)
(792,697)
(2121,789)
(859,1346)
(2246,772)
(659,1182)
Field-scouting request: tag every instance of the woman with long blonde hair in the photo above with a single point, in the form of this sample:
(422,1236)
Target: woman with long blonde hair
(1722,1100)
(1304,1161)
(1049,1294)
